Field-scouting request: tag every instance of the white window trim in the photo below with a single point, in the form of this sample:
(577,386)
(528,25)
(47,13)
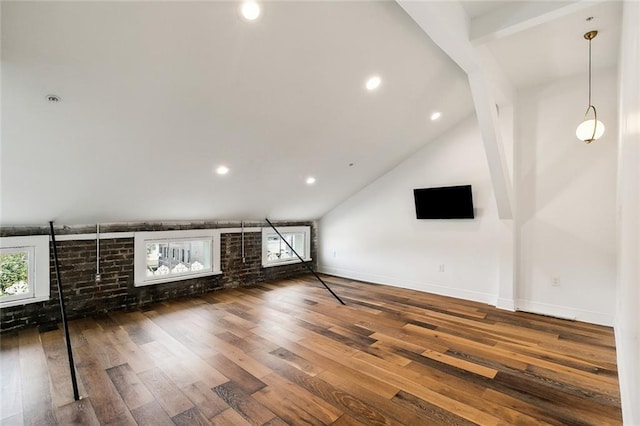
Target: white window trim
(38,245)
(140,258)
(306,230)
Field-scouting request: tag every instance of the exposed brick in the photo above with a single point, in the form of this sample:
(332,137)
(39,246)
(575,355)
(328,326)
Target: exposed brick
(84,297)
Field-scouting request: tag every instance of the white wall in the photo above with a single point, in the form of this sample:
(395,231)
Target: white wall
(565,205)
(375,236)
(566,201)
(628,306)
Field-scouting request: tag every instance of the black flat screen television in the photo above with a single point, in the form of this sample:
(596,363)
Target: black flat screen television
(449,202)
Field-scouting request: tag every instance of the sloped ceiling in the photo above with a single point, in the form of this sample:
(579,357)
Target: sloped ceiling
(557,48)
(156,95)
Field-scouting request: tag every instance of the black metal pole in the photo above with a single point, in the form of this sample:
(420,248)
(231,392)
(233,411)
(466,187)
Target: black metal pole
(72,367)
(303,262)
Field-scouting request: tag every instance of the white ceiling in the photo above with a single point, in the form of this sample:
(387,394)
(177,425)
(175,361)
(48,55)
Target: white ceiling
(156,95)
(557,49)
(476,8)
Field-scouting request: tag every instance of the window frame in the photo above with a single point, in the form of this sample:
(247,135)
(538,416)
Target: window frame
(38,271)
(266,232)
(141,239)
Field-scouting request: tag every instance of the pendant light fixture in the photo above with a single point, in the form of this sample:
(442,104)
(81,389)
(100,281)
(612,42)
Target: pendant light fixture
(590,129)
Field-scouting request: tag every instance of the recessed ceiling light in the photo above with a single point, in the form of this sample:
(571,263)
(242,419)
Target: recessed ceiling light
(222,170)
(373,83)
(435,116)
(311,180)
(250,10)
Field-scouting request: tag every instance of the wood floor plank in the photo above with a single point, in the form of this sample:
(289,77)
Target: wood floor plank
(468,388)
(192,416)
(131,389)
(542,414)
(247,382)
(461,363)
(109,356)
(436,375)
(229,417)
(394,413)
(105,399)
(559,359)
(151,414)
(347,420)
(251,365)
(35,383)
(272,330)
(313,363)
(417,383)
(605,389)
(238,342)
(285,408)
(250,409)
(54,346)
(285,352)
(297,361)
(128,350)
(309,402)
(440,394)
(392,342)
(358,408)
(203,397)
(77,413)
(10,386)
(170,398)
(564,396)
(426,411)
(175,334)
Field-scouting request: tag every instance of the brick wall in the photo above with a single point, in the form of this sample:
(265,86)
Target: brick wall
(84,297)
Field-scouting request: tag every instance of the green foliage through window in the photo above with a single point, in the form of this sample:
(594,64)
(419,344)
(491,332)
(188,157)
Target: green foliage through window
(14,277)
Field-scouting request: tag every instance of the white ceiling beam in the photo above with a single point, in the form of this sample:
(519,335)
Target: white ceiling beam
(487,114)
(502,88)
(516,16)
(447,24)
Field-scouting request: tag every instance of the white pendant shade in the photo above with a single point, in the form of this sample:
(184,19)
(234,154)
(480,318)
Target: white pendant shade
(585,133)
(250,10)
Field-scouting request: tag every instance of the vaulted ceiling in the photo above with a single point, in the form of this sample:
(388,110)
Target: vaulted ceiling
(156,95)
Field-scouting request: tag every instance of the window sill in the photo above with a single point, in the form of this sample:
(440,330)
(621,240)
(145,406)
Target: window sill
(26,301)
(285,262)
(175,279)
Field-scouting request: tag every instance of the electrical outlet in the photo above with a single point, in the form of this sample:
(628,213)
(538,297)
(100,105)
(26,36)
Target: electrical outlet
(555,282)
(441,267)
(335,254)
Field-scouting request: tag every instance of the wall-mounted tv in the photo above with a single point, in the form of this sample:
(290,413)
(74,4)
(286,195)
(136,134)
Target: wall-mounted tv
(449,202)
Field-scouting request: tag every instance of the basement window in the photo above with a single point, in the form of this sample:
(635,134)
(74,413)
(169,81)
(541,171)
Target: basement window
(167,256)
(24,270)
(275,251)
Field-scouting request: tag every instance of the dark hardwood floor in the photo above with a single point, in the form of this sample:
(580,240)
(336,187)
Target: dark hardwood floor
(288,353)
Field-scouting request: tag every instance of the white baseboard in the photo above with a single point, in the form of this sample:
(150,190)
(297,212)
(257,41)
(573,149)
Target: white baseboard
(409,284)
(506,304)
(565,312)
(557,311)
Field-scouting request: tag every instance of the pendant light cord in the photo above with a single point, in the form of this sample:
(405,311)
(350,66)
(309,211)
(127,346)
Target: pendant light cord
(586,126)
(590,71)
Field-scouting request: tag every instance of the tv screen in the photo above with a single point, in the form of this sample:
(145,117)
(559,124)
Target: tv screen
(450,202)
